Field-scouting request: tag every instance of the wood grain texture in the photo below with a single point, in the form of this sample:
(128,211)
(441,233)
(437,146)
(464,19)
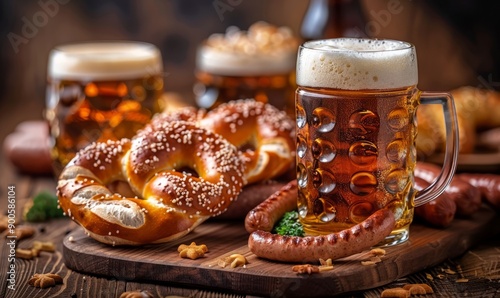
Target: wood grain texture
(161,263)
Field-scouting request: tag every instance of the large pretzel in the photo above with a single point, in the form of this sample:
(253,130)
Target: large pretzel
(264,135)
(177,177)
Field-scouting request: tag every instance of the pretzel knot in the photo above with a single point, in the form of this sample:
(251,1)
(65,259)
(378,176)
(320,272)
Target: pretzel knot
(264,135)
(170,178)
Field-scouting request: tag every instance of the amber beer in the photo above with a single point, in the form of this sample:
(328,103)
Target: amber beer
(258,63)
(100,91)
(356,129)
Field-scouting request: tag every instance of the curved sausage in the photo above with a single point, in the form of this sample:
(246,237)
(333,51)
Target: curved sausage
(467,198)
(488,185)
(266,214)
(310,248)
(439,212)
(28,148)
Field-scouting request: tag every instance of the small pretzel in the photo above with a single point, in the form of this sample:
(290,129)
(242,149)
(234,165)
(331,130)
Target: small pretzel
(264,135)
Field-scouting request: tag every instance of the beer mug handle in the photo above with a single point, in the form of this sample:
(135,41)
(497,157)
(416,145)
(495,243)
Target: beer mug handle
(450,158)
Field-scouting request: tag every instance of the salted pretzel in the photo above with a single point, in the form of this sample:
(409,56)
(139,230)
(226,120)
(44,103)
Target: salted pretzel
(172,178)
(264,135)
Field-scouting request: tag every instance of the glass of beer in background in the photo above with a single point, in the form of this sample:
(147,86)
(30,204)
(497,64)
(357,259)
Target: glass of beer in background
(259,64)
(356,128)
(100,91)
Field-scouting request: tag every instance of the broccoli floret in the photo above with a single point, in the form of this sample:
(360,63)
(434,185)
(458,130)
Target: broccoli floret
(45,206)
(289,225)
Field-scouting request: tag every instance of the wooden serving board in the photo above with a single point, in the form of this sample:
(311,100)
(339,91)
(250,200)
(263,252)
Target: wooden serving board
(162,264)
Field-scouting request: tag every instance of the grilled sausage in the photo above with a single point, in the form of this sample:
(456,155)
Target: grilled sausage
(439,212)
(28,148)
(275,247)
(467,198)
(488,185)
(266,214)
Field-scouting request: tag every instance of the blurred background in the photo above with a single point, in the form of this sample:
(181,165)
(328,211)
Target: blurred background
(457,41)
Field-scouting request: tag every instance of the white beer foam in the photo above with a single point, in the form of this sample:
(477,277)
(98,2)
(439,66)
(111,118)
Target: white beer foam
(357,64)
(220,62)
(104,60)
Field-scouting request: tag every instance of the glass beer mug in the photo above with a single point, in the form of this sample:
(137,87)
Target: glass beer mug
(356,128)
(257,64)
(99,91)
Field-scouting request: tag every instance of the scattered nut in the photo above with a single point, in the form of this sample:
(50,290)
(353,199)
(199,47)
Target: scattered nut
(328,262)
(192,250)
(428,276)
(305,268)
(425,287)
(417,290)
(325,265)
(325,268)
(45,280)
(395,292)
(449,271)
(22,232)
(221,263)
(462,280)
(26,254)
(367,263)
(408,290)
(378,252)
(234,260)
(375,253)
(35,252)
(44,246)
(136,294)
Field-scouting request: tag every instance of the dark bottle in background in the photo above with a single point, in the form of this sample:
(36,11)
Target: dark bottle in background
(333,18)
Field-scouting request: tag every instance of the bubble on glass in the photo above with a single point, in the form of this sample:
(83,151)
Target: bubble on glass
(363,152)
(398,119)
(364,122)
(302,175)
(324,181)
(324,210)
(301,145)
(396,151)
(323,150)
(302,205)
(323,119)
(301,117)
(363,183)
(396,181)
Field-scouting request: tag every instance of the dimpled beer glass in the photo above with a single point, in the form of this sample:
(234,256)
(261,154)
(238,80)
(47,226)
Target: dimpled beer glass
(356,128)
(99,91)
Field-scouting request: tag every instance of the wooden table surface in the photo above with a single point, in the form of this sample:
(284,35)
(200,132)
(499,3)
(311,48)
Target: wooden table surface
(476,273)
